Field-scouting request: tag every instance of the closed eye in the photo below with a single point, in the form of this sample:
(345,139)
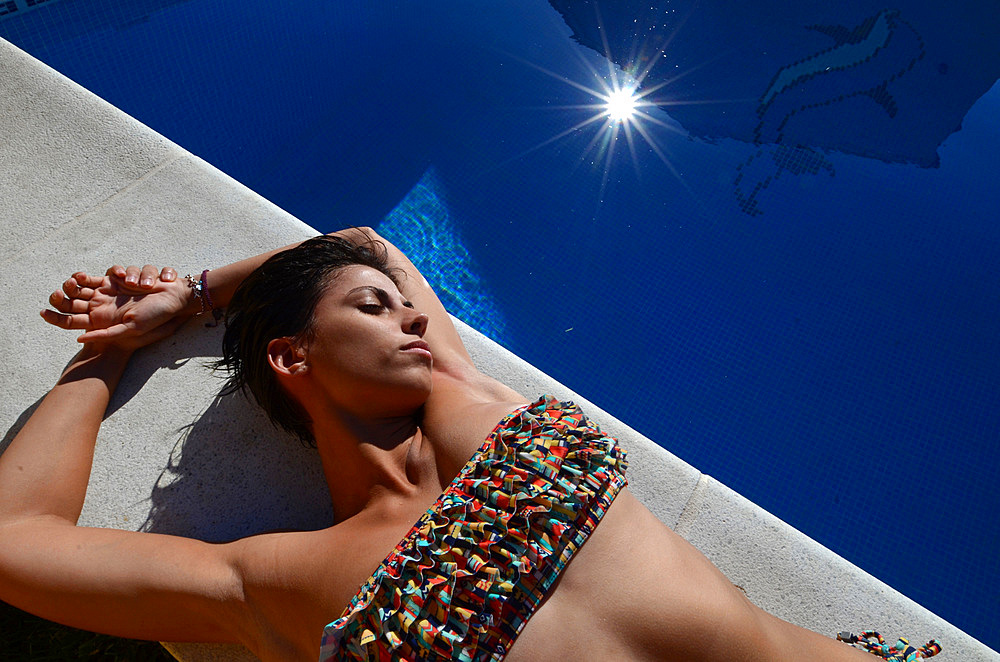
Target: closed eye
(375,299)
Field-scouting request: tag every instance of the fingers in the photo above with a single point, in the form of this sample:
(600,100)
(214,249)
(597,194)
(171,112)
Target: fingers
(64,303)
(102,335)
(142,278)
(66,321)
(84,280)
(80,286)
(71,302)
(147,276)
(132,275)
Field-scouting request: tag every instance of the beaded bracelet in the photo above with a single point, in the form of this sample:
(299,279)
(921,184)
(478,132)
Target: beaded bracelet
(902,651)
(202,293)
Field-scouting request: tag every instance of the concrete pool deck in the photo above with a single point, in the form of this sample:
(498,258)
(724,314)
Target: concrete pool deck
(83,186)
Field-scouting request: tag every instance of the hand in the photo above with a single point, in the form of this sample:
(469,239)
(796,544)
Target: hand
(125,307)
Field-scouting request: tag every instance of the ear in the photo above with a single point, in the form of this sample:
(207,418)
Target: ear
(286,357)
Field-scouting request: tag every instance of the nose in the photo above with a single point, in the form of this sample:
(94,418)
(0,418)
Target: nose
(415,323)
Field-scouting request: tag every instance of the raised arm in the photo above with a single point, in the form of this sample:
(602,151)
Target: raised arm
(221,282)
(118,582)
(174,300)
(138,584)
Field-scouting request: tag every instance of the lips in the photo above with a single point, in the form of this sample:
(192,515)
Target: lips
(417,347)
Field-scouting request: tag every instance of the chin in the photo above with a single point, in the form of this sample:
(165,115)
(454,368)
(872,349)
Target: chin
(407,400)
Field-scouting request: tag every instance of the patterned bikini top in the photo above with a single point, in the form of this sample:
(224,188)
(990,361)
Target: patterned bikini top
(470,573)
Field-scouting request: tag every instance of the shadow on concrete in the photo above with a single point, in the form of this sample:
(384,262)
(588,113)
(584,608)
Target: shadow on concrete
(230,472)
(129,386)
(276,484)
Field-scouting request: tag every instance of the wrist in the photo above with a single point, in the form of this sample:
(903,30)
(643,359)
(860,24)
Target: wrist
(97,360)
(201,298)
(104,353)
(192,302)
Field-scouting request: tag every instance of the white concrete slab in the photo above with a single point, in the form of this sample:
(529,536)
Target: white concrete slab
(83,186)
(794,577)
(49,127)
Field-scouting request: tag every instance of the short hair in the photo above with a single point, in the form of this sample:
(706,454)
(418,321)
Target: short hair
(277,300)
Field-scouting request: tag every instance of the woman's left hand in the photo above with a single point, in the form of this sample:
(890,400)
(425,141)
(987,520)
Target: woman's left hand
(111,311)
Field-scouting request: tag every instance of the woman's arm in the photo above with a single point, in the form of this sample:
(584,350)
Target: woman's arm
(119,582)
(45,470)
(173,298)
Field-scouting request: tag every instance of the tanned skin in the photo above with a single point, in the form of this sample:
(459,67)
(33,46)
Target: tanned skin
(635,591)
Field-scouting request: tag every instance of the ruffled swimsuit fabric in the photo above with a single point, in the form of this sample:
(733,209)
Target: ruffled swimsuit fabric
(470,573)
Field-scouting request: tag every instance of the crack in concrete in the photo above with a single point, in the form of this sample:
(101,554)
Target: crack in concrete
(78,218)
(685,521)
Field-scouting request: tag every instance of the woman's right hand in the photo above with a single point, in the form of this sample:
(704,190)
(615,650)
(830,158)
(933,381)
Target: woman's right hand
(129,306)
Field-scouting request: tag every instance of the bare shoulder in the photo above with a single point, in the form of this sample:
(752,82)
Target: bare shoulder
(297,582)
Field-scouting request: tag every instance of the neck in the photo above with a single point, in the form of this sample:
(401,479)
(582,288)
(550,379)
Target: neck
(365,460)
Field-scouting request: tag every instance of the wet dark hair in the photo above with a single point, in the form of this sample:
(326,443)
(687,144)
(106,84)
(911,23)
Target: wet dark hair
(277,300)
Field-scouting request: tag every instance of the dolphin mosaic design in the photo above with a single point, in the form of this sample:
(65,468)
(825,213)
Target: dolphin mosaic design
(864,62)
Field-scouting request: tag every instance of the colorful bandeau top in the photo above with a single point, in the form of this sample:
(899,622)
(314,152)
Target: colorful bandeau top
(470,573)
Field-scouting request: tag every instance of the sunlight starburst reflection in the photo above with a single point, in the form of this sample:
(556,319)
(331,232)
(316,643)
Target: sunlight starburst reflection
(620,105)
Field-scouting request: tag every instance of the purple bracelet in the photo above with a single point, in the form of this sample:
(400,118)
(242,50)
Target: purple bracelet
(201,292)
(205,295)
(207,298)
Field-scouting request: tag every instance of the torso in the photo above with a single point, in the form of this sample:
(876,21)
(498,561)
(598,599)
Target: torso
(613,601)
(304,580)
(619,598)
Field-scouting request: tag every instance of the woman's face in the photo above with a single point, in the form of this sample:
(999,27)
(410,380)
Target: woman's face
(366,351)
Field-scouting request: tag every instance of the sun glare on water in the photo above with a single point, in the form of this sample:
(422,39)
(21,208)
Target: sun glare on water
(621,105)
(617,102)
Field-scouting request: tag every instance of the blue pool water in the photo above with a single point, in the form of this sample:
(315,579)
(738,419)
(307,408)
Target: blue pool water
(783,269)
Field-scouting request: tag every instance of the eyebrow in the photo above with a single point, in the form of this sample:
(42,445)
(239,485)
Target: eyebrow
(378,292)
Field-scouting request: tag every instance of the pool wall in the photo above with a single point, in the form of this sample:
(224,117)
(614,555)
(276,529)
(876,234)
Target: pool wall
(84,186)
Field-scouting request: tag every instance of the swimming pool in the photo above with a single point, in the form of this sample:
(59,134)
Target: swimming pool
(789,278)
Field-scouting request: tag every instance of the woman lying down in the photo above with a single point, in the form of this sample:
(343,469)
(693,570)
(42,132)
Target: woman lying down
(526,546)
